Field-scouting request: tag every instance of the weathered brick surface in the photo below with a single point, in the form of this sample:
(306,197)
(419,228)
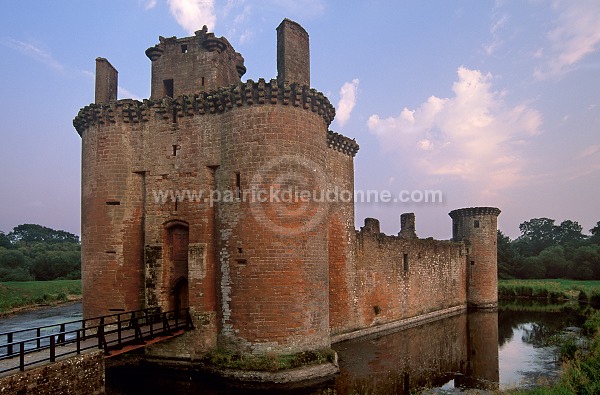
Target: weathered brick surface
(293,55)
(477,227)
(342,245)
(192,64)
(79,375)
(106,81)
(258,276)
(398,278)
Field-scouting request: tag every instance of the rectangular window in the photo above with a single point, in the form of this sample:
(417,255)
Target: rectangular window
(168,88)
(184,48)
(202,81)
(476,223)
(405,262)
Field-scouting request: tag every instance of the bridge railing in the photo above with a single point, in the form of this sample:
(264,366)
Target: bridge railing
(109,332)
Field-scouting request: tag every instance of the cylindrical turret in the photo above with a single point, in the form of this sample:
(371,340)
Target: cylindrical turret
(273,234)
(477,227)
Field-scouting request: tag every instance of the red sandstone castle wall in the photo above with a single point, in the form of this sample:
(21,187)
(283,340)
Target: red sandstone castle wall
(112,236)
(342,243)
(271,291)
(192,64)
(385,292)
(478,227)
(273,258)
(273,277)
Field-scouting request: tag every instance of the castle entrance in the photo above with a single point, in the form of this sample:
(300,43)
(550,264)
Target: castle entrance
(178,267)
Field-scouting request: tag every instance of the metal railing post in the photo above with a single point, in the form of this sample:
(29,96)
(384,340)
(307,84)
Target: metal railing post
(78,341)
(22,356)
(9,340)
(52,348)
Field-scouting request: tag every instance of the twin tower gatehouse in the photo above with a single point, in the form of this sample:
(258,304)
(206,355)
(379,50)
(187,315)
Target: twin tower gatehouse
(236,200)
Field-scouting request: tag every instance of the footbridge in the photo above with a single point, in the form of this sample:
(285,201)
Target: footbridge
(115,334)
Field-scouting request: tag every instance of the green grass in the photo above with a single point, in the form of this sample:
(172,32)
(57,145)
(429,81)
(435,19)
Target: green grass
(30,293)
(555,289)
(267,362)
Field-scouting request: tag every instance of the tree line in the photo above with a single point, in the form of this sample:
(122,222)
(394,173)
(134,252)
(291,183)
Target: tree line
(543,250)
(547,250)
(34,252)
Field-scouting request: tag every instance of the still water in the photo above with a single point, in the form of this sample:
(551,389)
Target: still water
(491,350)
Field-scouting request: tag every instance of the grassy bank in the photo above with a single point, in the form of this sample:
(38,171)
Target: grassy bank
(15,295)
(555,290)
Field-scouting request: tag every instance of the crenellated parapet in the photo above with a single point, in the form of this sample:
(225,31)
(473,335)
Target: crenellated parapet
(219,101)
(474,211)
(342,143)
(202,38)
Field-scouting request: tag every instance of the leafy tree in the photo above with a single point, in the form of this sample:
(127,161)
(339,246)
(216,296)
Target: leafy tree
(568,233)
(5,241)
(595,231)
(507,256)
(13,266)
(57,265)
(553,259)
(28,233)
(40,253)
(531,267)
(11,259)
(586,262)
(536,235)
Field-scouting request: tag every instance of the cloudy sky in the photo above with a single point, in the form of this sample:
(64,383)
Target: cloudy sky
(491,103)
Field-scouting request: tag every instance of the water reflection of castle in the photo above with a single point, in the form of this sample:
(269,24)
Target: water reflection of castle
(462,348)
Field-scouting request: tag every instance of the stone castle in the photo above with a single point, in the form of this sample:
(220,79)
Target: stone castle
(182,207)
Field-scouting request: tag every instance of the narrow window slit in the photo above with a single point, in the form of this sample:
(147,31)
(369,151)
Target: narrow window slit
(238,186)
(113,203)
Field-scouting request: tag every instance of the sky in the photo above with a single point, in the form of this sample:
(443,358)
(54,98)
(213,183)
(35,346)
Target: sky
(490,103)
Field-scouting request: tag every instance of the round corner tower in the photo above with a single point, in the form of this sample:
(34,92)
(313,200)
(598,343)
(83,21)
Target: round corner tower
(195,197)
(477,228)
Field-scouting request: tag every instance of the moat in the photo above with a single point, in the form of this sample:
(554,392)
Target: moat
(435,355)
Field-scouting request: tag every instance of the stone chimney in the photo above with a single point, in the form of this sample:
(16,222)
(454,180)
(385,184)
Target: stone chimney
(106,81)
(293,53)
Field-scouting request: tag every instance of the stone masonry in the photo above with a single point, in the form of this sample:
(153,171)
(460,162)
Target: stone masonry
(215,194)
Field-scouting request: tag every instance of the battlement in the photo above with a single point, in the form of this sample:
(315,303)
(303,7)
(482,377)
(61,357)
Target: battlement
(190,64)
(472,211)
(342,143)
(218,101)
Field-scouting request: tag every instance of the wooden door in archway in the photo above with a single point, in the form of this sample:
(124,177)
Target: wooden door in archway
(179,242)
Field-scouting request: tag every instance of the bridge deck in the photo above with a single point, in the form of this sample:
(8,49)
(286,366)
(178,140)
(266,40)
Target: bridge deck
(113,334)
